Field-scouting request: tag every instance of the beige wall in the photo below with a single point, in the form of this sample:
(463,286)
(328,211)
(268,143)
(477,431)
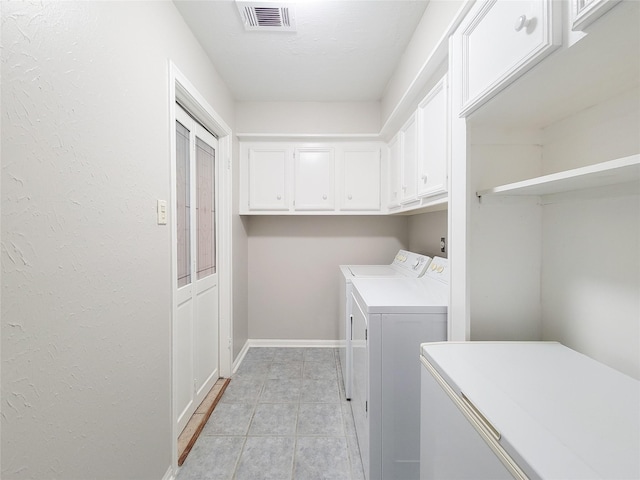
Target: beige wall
(425,231)
(294,274)
(86,285)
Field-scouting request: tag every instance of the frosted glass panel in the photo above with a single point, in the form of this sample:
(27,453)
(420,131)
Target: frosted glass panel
(183,205)
(205,209)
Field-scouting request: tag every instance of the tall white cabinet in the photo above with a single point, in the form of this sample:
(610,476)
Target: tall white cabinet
(544,204)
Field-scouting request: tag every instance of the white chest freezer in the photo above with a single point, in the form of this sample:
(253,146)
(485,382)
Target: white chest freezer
(525,410)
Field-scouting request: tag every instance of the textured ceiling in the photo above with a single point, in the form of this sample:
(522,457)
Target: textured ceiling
(343,50)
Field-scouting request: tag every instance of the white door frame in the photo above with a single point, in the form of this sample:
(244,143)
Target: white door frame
(180,89)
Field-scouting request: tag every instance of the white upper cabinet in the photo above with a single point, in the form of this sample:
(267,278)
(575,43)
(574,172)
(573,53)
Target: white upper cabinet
(394,171)
(360,178)
(585,12)
(311,178)
(314,178)
(419,155)
(433,147)
(268,175)
(409,155)
(499,40)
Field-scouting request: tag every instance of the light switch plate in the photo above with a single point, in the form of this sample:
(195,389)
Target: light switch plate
(162,212)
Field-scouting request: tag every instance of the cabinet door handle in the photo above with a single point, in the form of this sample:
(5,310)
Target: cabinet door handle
(279,197)
(522,22)
(324,197)
(350,197)
(424,178)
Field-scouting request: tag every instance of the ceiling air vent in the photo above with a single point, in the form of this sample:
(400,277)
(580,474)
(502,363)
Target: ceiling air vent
(267,16)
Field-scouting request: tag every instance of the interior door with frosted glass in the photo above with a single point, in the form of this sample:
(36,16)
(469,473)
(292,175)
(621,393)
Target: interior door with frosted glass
(196,287)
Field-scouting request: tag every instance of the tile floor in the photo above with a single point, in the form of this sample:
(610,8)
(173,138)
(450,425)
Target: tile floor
(283,417)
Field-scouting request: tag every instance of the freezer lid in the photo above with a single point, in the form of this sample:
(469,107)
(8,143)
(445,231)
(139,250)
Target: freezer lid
(559,414)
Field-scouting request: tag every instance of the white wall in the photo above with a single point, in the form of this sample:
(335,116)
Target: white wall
(591,240)
(591,276)
(567,267)
(308,117)
(240,272)
(435,20)
(86,287)
(293,269)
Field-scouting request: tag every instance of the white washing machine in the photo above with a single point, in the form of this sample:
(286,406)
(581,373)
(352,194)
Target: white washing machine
(392,317)
(405,264)
(526,410)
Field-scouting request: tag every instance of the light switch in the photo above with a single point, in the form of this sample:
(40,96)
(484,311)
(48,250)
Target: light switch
(162,212)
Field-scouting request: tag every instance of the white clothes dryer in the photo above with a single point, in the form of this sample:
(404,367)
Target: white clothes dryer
(405,264)
(392,317)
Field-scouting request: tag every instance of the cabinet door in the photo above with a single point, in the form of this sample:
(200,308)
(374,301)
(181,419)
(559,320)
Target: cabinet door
(360,178)
(268,178)
(314,179)
(500,40)
(433,122)
(360,387)
(394,171)
(409,149)
(585,12)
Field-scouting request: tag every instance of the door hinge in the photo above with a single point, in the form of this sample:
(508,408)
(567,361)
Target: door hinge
(366,334)
(366,407)
(351,317)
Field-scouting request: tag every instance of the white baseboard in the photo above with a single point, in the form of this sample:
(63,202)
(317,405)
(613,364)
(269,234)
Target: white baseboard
(240,357)
(169,475)
(268,342)
(262,342)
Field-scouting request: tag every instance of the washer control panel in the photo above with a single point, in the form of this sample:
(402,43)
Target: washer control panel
(438,269)
(412,263)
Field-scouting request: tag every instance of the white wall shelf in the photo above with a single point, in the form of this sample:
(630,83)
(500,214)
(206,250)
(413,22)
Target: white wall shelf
(613,172)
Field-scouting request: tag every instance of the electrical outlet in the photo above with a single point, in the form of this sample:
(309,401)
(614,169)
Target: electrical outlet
(443,244)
